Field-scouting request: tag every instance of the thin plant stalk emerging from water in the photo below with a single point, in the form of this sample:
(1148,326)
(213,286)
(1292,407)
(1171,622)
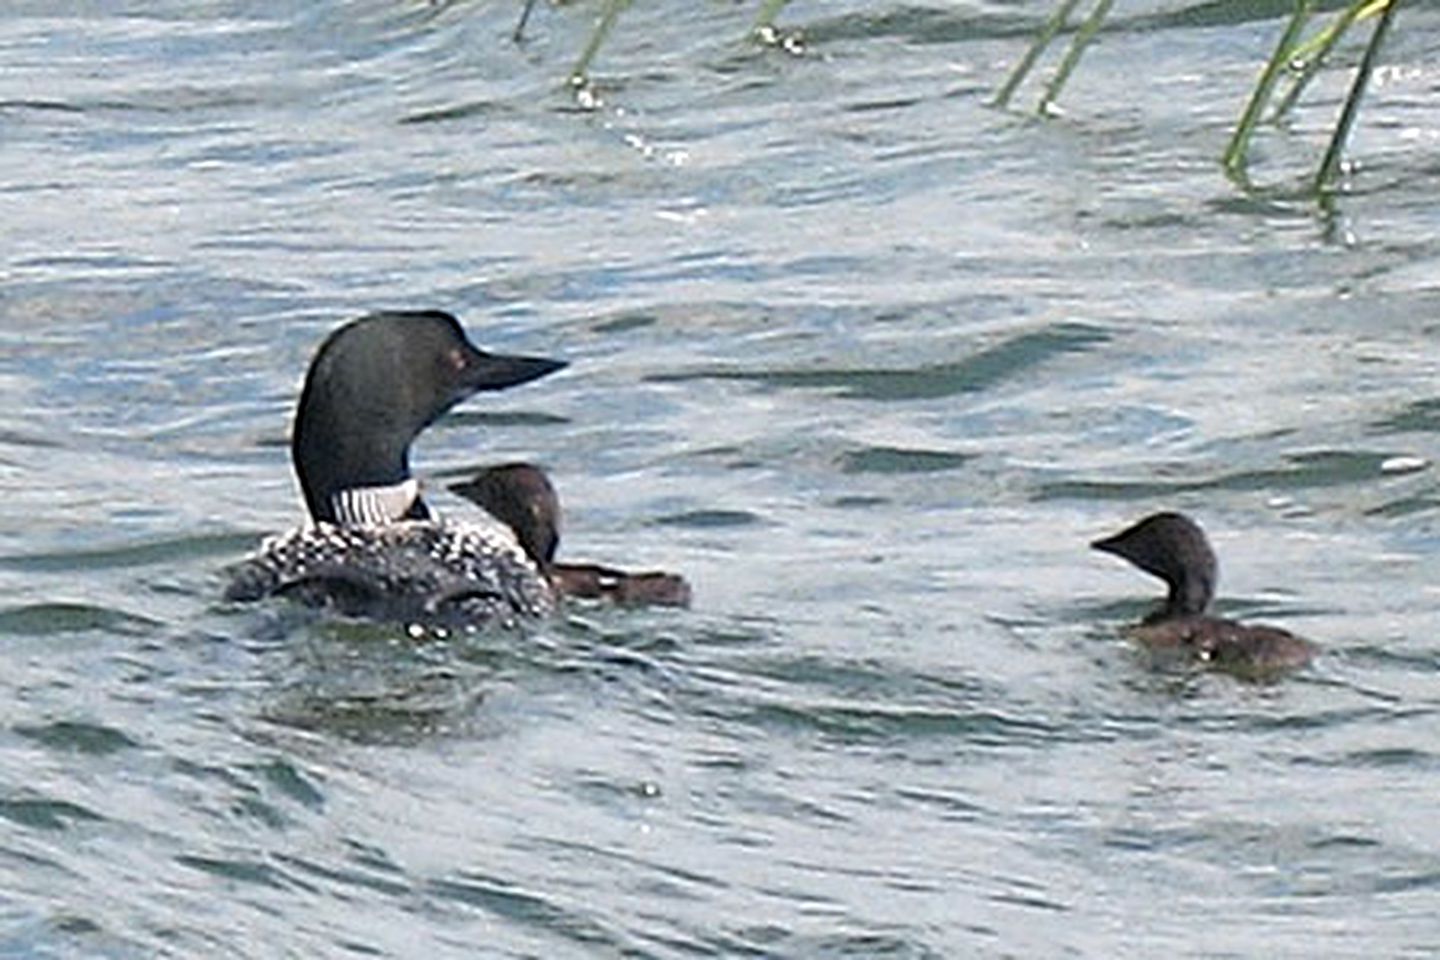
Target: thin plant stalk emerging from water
(763,29)
(1330,166)
(579,74)
(1234,158)
(519,35)
(1303,57)
(1042,40)
(765,19)
(1082,39)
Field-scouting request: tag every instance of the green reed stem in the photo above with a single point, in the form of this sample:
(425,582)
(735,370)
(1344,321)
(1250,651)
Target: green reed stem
(519,34)
(765,19)
(1042,40)
(1330,166)
(1313,53)
(1236,153)
(581,70)
(1082,39)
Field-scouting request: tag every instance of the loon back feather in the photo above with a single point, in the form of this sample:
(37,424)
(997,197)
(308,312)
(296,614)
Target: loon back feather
(410,571)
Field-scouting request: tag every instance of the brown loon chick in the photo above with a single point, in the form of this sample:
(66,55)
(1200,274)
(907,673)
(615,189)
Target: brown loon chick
(521,496)
(1172,547)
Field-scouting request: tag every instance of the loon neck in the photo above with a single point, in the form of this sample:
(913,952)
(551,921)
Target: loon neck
(1172,547)
(1190,595)
(367,506)
(348,472)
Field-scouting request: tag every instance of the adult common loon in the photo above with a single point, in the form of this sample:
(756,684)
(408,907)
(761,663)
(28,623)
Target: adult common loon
(521,495)
(374,548)
(1172,547)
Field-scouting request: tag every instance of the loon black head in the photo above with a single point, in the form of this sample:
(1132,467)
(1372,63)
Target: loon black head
(1172,547)
(374,384)
(522,497)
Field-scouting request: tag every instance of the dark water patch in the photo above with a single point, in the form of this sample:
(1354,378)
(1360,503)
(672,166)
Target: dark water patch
(1281,202)
(381,683)
(715,941)
(61,932)
(874,106)
(1218,13)
(500,418)
(981,371)
(290,782)
(46,814)
(1406,882)
(631,637)
(954,807)
(863,677)
(1384,758)
(901,460)
(854,723)
(1344,842)
(346,878)
(859,502)
(251,807)
(131,555)
(881,945)
(1419,416)
(93,264)
(251,872)
(15,438)
(1320,468)
(43,106)
(245,788)
(773,941)
(915,24)
(1132,840)
(1109,489)
(1030,898)
(508,901)
(46,619)
(1311,470)
(371,720)
(680,880)
(681,944)
(1293,722)
(626,323)
(78,737)
(711,519)
(620,665)
(459,111)
(1384,656)
(1404,507)
(372,857)
(861,704)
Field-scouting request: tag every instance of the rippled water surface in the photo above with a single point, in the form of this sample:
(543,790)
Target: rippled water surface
(869,361)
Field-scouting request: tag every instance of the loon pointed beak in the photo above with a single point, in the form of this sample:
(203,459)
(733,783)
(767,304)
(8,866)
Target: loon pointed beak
(1106,545)
(494,371)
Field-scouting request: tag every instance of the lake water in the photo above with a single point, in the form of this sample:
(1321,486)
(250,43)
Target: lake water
(868,360)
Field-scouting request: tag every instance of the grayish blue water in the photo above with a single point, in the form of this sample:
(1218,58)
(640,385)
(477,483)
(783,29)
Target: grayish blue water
(869,361)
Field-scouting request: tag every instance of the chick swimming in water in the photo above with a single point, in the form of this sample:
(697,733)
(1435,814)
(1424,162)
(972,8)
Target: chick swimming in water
(521,495)
(1172,547)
